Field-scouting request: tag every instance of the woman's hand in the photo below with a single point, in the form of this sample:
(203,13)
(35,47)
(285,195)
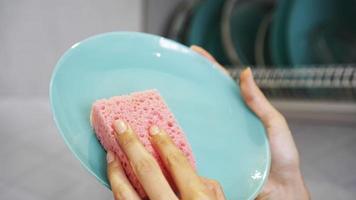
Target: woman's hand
(190,186)
(285,180)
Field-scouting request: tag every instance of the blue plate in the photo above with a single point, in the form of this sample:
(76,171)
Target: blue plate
(228,141)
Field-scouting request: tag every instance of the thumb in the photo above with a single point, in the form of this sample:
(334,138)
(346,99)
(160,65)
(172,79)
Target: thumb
(257,101)
(283,149)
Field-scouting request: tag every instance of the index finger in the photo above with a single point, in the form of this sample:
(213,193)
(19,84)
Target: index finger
(256,100)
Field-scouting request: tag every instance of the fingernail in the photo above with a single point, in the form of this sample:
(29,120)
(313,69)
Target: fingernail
(247,70)
(120,126)
(154,130)
(110,157)
(249,74)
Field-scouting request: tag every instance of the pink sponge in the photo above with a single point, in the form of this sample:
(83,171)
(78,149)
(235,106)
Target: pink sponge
(141,110)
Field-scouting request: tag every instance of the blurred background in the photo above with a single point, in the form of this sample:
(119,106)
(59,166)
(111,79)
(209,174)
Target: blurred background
(303,54)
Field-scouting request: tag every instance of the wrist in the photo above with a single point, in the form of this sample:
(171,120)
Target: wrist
(299,187)
(291,188)
(295,188)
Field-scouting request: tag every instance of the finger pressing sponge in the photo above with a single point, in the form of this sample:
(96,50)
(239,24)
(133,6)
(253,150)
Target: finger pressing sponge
(140,110)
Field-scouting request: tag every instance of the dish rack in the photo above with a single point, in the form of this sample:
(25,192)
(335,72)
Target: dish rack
(332,82)
(317,91)
(326,94)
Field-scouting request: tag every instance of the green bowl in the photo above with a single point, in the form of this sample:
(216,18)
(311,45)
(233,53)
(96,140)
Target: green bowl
(314,32)
(245,22)
(204,29)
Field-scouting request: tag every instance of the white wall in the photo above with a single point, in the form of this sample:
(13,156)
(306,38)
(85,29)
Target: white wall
(35,33)
(157,14)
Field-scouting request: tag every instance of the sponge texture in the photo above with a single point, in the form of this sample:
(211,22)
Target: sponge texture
(141,110)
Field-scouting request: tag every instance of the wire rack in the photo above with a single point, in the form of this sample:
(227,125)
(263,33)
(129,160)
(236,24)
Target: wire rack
(332,82)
